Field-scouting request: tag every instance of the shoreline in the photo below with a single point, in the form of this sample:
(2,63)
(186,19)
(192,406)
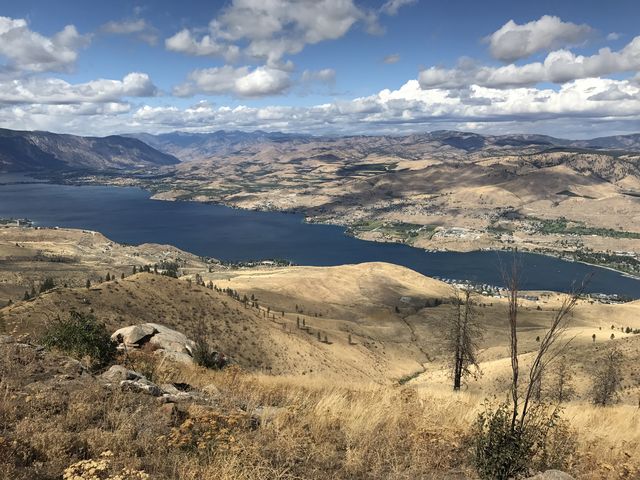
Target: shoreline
(305,219)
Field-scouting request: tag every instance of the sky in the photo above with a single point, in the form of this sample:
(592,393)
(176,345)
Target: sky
(340,67)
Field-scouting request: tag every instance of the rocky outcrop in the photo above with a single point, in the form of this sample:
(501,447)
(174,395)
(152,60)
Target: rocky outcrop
(131,381)
(170,343)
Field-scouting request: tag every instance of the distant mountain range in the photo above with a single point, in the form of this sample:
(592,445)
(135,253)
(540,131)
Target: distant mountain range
(31,151)
(196,146)
(199,146)
(28,151)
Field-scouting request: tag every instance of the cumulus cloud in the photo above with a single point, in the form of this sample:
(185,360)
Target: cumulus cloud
(185,42)
(27,50)
(512,41)
(326,76)
(53,91)
(392,6)
(558,67)
(594,101)
(240,82)
(269,30)
(139,28)
(390,59)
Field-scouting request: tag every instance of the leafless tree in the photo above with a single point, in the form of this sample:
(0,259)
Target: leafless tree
(463,334)
(607,379)
(548,349)
(561,386)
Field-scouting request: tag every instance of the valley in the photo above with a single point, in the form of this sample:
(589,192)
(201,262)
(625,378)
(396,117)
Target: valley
(446,191)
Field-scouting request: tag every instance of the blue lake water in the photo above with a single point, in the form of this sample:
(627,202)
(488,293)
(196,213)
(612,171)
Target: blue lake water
(128,215)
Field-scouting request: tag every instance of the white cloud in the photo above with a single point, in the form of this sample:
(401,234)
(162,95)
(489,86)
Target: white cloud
(558,67)
(513,41)
(240,82)
(140,28)
(27,50)
(185,42)
(326,76)
(36,90)
(392,6)
(268,30)
(601,104)
(390,59)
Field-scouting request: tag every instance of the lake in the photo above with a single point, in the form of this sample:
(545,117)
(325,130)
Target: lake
(128,215)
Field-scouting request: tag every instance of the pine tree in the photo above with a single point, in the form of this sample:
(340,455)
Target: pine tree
(47,285)
(88,283)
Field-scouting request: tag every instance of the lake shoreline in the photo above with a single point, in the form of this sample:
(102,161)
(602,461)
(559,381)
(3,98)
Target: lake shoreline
(346,249)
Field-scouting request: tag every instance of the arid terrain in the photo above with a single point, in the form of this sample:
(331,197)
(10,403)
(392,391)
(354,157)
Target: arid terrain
(340,356)
(443,190)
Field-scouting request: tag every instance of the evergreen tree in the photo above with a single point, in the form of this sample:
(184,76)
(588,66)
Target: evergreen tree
(48,284)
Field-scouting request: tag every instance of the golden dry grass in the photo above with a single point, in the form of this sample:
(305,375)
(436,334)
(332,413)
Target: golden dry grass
(309,428)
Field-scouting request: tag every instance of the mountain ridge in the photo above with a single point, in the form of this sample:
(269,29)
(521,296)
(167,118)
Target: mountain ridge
(189,146)
(39,150)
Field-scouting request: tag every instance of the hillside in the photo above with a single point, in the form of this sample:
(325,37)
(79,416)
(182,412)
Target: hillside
(393,315)
(372,401)
(44,151)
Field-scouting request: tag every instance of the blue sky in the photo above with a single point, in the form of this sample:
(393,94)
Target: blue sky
(321,66)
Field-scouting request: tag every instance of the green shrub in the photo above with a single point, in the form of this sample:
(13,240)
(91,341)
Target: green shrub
(502,452)
(82,337)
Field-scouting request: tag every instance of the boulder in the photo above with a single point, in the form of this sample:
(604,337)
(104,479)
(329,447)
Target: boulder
(117,373)
(171,340)
(552,475)
(173,344)
(135,335)
(179,357)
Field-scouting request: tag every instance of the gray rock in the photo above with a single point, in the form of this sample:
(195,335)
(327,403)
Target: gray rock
(135,335)
(178,357)
(173,344)
(4,339)
(141,386)
(117,373)
(73,367)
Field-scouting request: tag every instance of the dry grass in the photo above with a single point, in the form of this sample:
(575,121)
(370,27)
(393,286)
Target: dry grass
(52,417)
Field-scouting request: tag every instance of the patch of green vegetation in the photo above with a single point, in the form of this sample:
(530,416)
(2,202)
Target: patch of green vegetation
(82,337)
(405,232)
(366,168)
(409,377)
(623,263)
(562,226)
